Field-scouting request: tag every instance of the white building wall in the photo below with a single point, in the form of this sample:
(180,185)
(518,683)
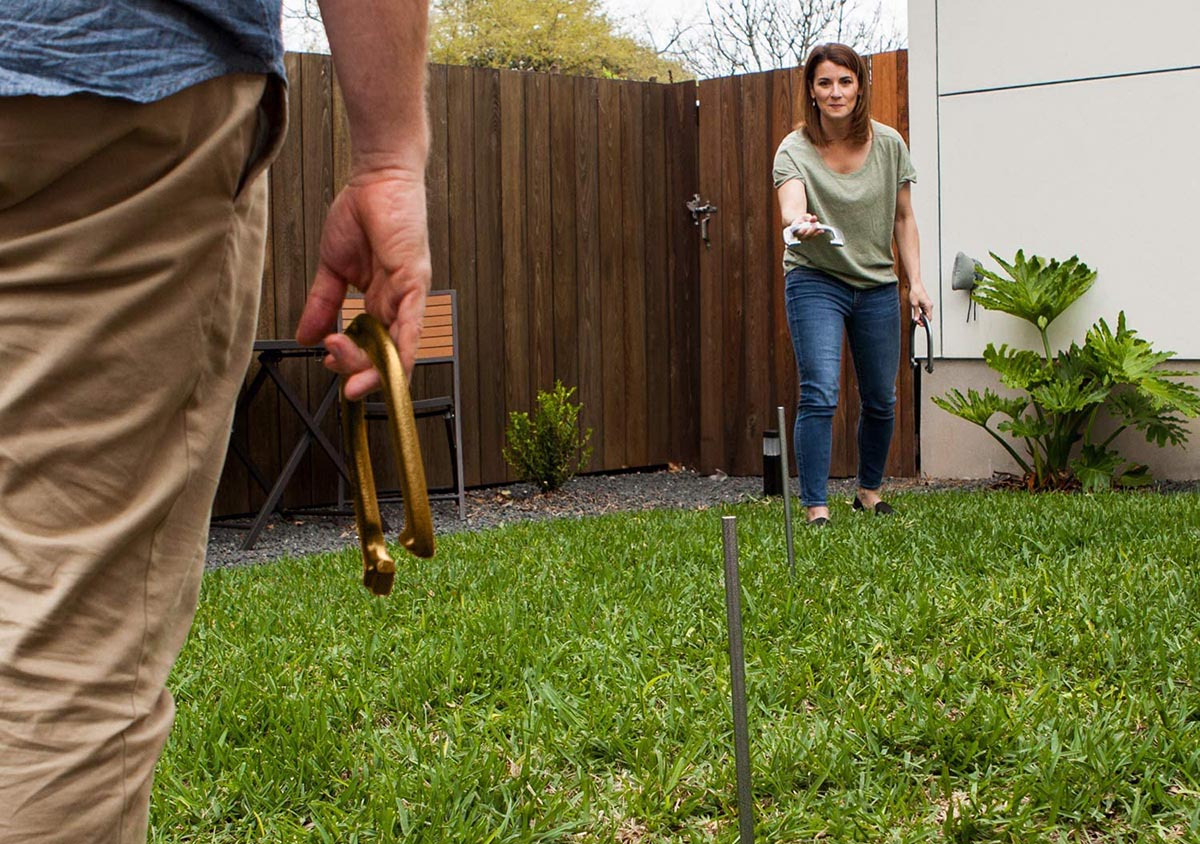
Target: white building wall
(1063,128)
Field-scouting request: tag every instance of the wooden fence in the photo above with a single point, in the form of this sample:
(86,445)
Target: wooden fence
(557,211)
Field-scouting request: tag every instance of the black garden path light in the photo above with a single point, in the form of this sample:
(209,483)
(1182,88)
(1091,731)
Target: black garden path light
(771,458)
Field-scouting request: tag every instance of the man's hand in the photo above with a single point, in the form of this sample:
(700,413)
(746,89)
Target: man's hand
(376,239)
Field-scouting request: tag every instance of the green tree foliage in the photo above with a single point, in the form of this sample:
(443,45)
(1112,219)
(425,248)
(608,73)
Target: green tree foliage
(1114,372)
(573,37)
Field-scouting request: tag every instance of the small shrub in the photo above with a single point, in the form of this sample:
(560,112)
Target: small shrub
(547,449)
(1063,394)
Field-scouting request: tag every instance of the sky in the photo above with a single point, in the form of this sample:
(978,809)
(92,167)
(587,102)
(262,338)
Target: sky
(655,18)
(658,16)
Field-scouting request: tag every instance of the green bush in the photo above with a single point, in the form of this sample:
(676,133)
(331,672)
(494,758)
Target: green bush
(547,449)
(1063,394)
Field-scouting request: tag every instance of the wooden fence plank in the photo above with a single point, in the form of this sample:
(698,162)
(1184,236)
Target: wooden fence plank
(538,244)
(633,272)
(489,269)
(711,327)
(760,277)
(683,273)
(612,314)
(588,274)
(731,221)
(460,153)
(657,282)
(564,232)
(515,276)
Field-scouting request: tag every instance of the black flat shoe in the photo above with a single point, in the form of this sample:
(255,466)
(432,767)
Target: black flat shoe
(819,521)
(881,509)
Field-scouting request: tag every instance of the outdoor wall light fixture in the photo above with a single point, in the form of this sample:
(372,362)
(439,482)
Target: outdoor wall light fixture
(963,277)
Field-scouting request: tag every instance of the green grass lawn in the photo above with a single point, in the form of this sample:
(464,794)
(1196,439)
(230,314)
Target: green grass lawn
(984,667)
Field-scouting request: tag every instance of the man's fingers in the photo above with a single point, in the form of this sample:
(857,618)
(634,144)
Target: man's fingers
(362,384)
(406,334)
(346,358)
(325,299)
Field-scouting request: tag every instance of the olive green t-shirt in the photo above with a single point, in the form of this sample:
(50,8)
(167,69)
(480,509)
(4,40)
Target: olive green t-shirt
(862,204)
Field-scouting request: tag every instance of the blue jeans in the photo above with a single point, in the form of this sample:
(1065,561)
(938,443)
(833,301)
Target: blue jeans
(819,309)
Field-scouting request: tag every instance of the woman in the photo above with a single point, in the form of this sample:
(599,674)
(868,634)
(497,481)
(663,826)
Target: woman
(843,169)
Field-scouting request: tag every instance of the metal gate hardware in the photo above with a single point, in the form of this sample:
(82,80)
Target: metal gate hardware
(701,212)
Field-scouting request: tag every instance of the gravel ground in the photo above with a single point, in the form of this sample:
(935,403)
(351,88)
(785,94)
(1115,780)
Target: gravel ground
(302,534)
(489,507)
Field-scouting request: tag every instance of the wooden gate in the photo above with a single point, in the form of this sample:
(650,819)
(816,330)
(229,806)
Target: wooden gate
(746,364)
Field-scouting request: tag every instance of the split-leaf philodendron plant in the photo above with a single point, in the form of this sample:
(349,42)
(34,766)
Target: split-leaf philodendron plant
(1063,394)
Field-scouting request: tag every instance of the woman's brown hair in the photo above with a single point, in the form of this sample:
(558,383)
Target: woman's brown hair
(860,118)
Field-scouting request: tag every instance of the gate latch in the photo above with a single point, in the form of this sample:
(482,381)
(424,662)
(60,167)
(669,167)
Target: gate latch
(701,212)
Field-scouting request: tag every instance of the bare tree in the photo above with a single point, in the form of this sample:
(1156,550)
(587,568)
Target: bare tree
(302,26)
(744,36)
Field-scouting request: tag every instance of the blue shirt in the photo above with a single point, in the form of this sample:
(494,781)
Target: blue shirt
(141,50)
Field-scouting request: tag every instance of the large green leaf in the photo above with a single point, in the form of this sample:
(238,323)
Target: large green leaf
(1072,395)
(1136,474)
(1172,396)
(1095,467)
(1020,369)
(1136,409)
(1126,358)
(979,407)
(1026,427)
(1036,290)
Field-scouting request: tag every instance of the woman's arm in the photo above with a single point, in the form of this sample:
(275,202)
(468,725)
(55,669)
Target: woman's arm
(908,242)
(793,208)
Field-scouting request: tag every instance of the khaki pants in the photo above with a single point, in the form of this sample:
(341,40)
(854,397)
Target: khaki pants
(131,251)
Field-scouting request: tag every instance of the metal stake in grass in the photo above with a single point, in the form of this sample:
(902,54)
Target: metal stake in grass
(787,493)
(737,670)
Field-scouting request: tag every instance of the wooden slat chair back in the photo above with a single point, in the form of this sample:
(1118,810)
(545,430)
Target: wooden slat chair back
(438,345)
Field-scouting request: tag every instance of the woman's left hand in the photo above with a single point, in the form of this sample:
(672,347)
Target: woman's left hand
(921,304)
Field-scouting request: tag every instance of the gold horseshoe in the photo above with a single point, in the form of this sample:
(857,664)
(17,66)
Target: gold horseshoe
(379,570)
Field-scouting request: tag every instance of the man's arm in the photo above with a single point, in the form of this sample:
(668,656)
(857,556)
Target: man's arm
(376,237)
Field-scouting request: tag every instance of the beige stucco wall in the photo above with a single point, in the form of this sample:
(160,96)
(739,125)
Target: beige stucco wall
(1027,125)
(954,448)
